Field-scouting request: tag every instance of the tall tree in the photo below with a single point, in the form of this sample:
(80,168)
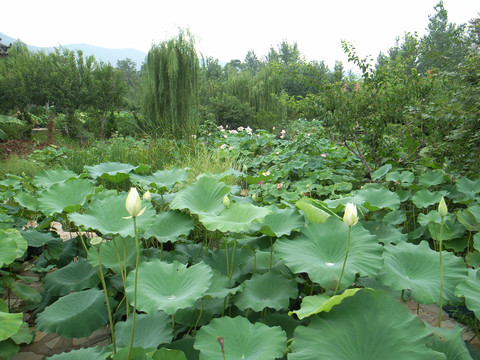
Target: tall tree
(170,87)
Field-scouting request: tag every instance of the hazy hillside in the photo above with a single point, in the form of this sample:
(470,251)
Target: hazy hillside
(100,53)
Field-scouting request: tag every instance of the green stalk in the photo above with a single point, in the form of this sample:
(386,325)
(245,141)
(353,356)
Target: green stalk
(441,277)
(135,289)
(226,254)
(233,259)
(344,261)
(102,279)
(124,277)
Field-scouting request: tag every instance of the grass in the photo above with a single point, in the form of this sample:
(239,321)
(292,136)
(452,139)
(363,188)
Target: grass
(159,154)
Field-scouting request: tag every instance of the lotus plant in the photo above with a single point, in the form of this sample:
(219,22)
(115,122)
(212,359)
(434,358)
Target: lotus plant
(443,211)
(350,218)
(133,205)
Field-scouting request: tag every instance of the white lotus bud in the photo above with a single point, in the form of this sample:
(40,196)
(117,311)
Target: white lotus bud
(350,217)
(133,203)
(442,208)
(226,201)
(147,196)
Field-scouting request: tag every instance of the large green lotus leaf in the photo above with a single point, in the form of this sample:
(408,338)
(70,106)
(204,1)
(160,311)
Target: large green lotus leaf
(241,340)
(12,246)
(236,218)
(337,205)
(37,238)
(168,354)
(47,178)
(385,233)
(469,289)
(108,216)
(312,212)
(404,177)
(170,225)
(370,325)
(379,197)
(203,197)
(27,200)
(270,290)
(114,252)
(380,172)
(315,304)
(319,250)
(449,342)
(67,196)
(469,187)
(468,219)
(425,198)
(417,268)
(282,222)
(151,330)
(75,315)
(395,217)
(163,179)
(168,287)
(91,353)
(75,276)
(431,178)
(433,216)
(221,286)
(25,292)
(112,171)
(10,324)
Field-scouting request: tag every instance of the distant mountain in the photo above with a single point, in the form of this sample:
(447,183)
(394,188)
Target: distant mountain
(104,54)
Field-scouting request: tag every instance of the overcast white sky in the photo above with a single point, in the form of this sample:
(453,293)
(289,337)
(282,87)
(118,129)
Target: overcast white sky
(227,29)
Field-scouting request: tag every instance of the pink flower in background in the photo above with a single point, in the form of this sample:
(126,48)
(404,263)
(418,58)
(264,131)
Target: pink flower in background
(203,143)
(323,155)
(279,186)
(230,148)
(277,153)
(260,182)
(266,173)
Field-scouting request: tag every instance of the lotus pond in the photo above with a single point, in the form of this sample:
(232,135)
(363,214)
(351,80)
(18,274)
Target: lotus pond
(258,262)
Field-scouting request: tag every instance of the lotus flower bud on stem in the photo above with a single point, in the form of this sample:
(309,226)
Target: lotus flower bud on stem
(350,217)
(133,203)
(442,208)
(147,196)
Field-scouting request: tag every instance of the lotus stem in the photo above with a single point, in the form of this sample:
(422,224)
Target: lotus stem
(125,270)
(233,259)
(110,320)
(344,261)
(441,277)
(271,253)
(199,316)
(124,277)
(135,289)
(226,254)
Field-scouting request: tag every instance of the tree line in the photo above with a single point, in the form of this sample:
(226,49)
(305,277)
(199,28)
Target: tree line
(418,99)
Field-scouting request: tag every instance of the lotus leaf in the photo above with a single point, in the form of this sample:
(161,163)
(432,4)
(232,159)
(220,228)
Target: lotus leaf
(315,304)
(47,178)
(379,197)
(241,340)
(431,178)
(282,222)
(468,187)
(168,354)
(417,268)
(319,250)
(92,353)
(203,197)
(75,315)
(369,325)
(236,218)
(11,324)
(425,198)
(380,172)
(170,225)
(66,196)
(108,216)
(114,252)
(150,330)
(168,287)
(75,276)
(112,171)
(163,180)
(469,290)
(270,290)
(449,342)
(12,246)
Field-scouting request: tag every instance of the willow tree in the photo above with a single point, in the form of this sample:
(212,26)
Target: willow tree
(170,88)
